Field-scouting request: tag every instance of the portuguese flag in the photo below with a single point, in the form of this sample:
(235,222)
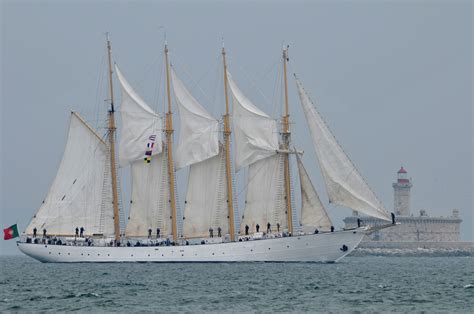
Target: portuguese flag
(10,232)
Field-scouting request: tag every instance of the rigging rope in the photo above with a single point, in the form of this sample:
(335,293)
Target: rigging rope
(196,83)
(159,85)
(99,90)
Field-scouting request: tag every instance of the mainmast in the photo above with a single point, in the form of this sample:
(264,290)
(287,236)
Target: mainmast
(169,149)
(227,132)
(286,145)
(112,130)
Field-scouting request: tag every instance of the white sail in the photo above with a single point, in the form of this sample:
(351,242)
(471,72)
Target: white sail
(265,198)
(199,131)
(255,133)
(150,205)
(141,126)
(75,198)
(344,185)
(141,146)
(206,198)
(313,213)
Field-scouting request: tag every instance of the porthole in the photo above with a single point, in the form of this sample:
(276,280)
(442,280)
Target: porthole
(108,254)
(148,255)
(288,246)
(49,252)
(269,248)
(68,253)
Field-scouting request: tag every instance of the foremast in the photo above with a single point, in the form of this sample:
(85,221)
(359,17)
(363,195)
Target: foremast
(111,130)
(285,133)
(228,168)
(169,149)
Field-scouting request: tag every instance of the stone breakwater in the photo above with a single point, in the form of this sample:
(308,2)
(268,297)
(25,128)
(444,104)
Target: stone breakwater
(412,229)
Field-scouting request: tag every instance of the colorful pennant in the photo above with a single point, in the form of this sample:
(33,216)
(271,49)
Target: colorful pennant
(149,148)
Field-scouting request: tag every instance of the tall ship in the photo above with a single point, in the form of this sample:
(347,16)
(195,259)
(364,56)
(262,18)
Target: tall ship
(81,219)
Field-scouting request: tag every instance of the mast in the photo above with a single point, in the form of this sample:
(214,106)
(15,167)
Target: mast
(112,130)
(227,132)
(286,146)
(169,148)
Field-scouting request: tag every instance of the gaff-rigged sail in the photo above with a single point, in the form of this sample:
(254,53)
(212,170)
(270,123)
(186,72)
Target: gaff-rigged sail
(255,133)
(198,147)
(313,213)
(141,147)
(344,184)
(76,197)
(150,206)
(206,198)
(265,198)
(256,146)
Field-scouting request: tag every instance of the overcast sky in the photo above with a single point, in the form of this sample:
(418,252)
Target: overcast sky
(392,79)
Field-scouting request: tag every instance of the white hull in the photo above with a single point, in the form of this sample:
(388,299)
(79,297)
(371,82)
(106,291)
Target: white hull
(322,247)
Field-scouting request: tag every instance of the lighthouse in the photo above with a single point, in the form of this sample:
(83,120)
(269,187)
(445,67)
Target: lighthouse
(401,193)
(423,228)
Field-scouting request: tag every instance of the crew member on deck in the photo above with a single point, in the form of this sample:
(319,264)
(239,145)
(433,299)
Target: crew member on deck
(332,228)
(316,231)
(257,227)
(158,232)
(211,232)
(149,233)
(269,229)
(34,232)
(219,230)
(77,232)
(278,227)
(246,229)
(44,233)
(82,232)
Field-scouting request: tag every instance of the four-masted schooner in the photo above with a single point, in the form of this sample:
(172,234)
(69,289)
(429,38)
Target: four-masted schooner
(85,191)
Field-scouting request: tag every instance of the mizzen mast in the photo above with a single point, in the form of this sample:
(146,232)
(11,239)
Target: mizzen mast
(227,132)
(286,146)
(112,128)
(169,148)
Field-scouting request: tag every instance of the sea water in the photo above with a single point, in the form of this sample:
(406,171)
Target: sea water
(356,284)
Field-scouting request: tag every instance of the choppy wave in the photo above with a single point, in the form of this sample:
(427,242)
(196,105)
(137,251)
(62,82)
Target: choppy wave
(357,284)
(412,252)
